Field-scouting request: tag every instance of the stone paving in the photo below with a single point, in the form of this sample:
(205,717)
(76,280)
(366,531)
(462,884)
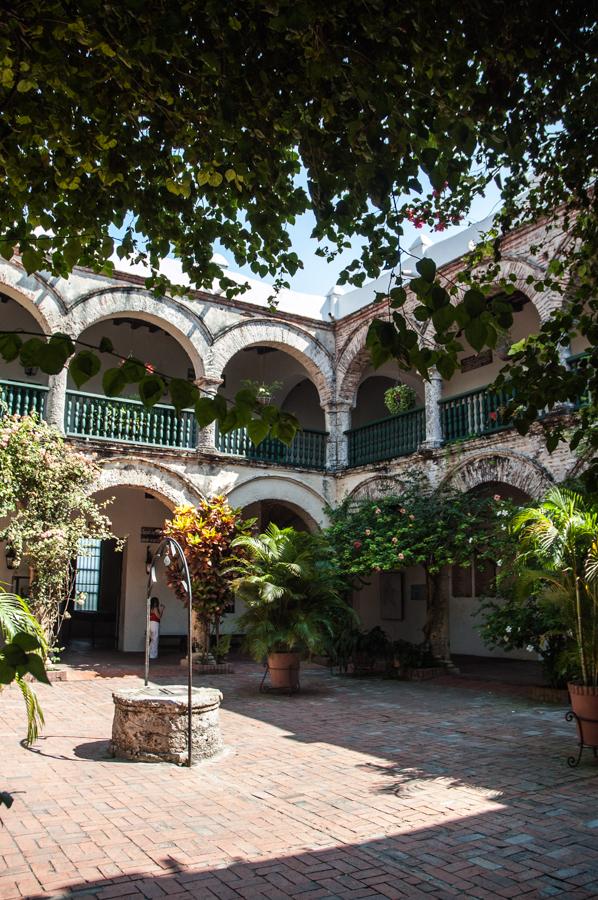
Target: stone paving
(355,788)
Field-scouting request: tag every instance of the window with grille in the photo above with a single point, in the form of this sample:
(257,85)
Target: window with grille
(87,580)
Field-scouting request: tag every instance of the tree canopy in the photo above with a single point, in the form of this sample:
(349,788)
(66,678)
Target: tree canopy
(179,124)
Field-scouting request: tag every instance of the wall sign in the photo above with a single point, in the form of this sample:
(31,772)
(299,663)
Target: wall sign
(150,535)
(477,361)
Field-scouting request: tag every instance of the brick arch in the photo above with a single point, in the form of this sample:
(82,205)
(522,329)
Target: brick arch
(286,337)
(352,363)
(283,489)
(175,318)
(169,486)
(41,300)
(514,469)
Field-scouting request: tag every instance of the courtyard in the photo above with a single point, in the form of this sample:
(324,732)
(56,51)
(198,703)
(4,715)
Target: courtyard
(355,788)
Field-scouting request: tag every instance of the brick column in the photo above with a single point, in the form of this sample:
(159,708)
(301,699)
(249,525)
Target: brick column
(56,399)
(206,437)
(433,393)
(338,421)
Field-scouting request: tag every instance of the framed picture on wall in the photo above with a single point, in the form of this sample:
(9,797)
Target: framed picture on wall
(392,606)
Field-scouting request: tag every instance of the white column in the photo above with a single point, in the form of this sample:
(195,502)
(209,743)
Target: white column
(338,421)
(433,393)
(206,437)
(56,399)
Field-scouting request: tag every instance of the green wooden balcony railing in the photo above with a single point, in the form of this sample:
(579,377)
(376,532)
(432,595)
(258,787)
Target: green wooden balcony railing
(114,419)
(475,412)
(21,398)
(307,451)
(387,438)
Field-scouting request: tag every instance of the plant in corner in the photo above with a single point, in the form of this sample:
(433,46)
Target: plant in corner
(293,595)
(559,559)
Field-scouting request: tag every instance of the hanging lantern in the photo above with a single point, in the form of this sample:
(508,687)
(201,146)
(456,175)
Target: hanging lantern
(11,557)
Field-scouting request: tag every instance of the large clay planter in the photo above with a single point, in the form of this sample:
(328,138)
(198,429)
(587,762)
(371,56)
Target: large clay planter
(284,670)
(584,702)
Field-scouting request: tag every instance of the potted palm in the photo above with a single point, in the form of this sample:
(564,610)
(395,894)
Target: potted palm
(559,552)
(292,592)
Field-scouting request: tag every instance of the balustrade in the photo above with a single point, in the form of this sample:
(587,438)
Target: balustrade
(307,451)
(473,413)
(22,399)
(114,419)
(387,438)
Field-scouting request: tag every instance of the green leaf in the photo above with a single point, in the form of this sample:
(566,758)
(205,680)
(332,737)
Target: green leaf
(257,430)
(113,382)
(10,346)
(151,389)
(7,671)
(475,333)
(475,302)
(133,370)
(443,318)
(426,268)
(446,366)
(106,345)
(182,393)
(205,411)
(26,641)
(84,366)
(36,667)
(30,352)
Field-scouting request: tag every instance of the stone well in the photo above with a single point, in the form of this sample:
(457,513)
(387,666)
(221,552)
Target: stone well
(150,724)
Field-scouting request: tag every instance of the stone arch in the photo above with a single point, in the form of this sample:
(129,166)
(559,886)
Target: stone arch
(353,360)
(286,337)
(521,269)
(181,323)
(168,486)
(514,469)
(289,490)
(31,292)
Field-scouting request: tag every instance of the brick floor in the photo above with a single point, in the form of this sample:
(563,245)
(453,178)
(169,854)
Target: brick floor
(353,788)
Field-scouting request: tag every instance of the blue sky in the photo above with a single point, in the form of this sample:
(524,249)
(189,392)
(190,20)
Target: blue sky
(318,276)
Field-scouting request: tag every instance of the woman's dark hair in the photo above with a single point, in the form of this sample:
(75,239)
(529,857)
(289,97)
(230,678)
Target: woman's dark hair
(154,603)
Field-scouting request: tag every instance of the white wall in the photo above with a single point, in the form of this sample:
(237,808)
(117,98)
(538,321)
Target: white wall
(128,513)
(155,347)
(525,322)
(14,317)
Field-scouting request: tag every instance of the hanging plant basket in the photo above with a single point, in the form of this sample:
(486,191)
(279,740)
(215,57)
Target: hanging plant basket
(400,398)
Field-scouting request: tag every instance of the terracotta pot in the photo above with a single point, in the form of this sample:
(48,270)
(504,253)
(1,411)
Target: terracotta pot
(284,670)
(584,702)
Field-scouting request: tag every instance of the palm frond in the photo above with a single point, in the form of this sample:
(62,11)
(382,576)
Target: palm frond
(35,716)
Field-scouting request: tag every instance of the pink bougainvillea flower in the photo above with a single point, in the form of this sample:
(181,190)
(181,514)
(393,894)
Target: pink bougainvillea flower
(497,497)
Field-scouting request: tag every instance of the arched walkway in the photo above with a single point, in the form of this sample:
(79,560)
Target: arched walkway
(159,480)
(284,490)
(43,302)
(511,468)
(289,338)
(113,303)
